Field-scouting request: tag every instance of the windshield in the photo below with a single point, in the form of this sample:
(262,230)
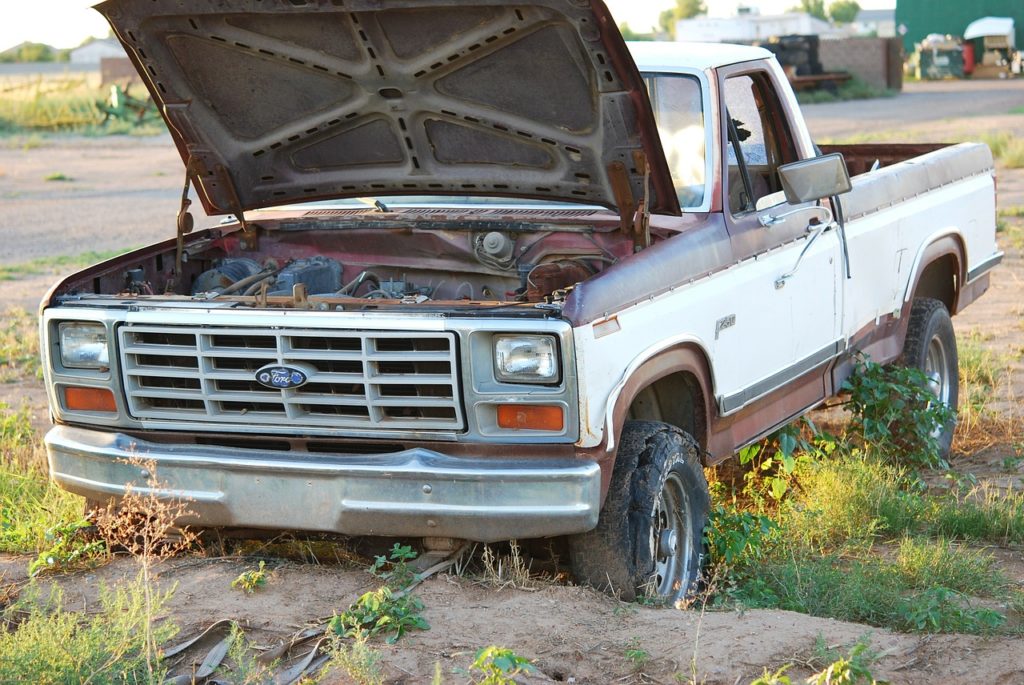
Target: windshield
(679,113)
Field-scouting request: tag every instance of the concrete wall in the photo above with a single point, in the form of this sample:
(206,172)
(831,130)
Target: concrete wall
(876,61)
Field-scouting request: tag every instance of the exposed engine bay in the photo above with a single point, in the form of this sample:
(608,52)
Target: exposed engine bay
(330,264)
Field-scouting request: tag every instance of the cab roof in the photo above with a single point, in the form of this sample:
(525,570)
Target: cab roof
(672,55)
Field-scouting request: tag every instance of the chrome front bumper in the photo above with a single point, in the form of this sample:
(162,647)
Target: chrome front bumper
(413,493)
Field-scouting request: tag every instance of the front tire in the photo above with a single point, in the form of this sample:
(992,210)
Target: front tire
(649,539)
(931,347)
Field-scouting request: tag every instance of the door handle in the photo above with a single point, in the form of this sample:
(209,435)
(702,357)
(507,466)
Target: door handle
(817,231)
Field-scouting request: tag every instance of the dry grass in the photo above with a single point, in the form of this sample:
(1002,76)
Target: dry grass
(19,346)
(990,413)
(506,570)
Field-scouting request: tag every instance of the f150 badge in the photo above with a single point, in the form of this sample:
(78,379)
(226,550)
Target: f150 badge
(281,377)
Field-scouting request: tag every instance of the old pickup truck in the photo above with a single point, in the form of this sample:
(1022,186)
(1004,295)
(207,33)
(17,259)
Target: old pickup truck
(487,272)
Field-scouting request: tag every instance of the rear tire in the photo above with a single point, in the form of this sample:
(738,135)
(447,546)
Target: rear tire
(649,539)
(931,347)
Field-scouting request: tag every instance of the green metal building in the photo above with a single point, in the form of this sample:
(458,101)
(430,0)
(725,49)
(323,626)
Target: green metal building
(922,17)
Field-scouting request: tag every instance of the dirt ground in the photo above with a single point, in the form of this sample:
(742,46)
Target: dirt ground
(124,192)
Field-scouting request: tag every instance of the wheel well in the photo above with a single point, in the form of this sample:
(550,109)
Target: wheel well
(675,399)
(939,281)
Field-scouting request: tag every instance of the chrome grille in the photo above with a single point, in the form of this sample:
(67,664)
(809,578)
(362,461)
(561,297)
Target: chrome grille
(356,379)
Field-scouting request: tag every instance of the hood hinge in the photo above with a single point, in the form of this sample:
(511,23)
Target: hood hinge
(642,218)
(250,239)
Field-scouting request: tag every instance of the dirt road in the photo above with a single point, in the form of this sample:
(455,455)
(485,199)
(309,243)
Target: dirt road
(124,192)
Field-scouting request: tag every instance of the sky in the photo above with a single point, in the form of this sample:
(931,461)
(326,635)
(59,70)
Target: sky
(66,23)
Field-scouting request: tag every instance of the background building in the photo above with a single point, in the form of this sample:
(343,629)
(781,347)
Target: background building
(93,52)
(880,23)
(746,28)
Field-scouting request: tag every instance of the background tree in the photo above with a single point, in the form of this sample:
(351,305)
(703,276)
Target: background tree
(29,52)
(684,9)
(815,8)
(630,34)
(843,11)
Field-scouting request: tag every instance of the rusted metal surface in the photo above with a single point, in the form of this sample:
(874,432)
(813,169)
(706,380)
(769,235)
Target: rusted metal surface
(547,278)
(318,100)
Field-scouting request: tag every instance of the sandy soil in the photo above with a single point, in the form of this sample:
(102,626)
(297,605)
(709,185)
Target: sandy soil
(125,192)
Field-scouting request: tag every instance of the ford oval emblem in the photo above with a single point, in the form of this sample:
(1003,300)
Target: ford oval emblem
(281,377)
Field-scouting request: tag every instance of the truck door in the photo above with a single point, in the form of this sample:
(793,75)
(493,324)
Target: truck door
(787,307)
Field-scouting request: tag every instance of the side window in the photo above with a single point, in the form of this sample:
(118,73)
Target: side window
(679,114)
(756,144)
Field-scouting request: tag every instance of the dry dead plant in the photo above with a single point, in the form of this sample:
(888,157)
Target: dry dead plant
(144,524)
(982,427)
(506,570)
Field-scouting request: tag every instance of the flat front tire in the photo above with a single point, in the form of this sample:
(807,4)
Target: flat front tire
(649,539)
(930,346)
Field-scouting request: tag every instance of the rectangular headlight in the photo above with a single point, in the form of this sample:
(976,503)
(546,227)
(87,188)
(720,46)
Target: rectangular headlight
(526,358)
(84,345)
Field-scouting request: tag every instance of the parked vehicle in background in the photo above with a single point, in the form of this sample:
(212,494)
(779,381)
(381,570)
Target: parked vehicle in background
(567,288)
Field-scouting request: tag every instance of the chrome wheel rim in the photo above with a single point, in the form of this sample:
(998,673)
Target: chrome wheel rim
(936,368)
(671,540)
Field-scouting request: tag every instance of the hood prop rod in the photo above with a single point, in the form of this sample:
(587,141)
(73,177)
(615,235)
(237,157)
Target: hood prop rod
(185,224)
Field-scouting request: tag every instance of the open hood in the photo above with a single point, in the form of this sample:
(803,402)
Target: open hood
(280,101)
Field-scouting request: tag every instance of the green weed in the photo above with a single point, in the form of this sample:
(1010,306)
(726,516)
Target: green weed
(822,548)
(926,563)
(394,569)
(357,659)
(68,546)
(636,655)
(738,539)
(46,644)
(982,513)
(252,580)
(381,611)
(57,176)
(30,505)
(244,668)
(498,666)
(941,610)
(777,677)
(847,670)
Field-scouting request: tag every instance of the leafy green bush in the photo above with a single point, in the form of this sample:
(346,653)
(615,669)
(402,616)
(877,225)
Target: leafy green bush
(895,413)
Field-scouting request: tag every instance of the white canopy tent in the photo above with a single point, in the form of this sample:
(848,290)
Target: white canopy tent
(991,27)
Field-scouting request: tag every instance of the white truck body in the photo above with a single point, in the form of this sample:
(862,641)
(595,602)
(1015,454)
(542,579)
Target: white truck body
(711,305)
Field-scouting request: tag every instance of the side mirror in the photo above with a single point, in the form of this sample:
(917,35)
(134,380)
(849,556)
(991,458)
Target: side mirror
(815,178)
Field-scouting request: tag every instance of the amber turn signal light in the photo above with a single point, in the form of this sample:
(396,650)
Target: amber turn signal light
(538,417)
(89,399)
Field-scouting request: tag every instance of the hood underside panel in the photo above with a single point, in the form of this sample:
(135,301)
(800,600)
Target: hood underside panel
(292,100)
